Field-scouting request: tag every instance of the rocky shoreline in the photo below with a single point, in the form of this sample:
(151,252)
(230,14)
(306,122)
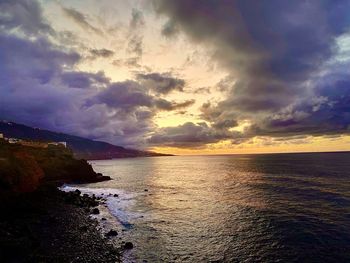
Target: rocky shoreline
(39,222)
(49,225)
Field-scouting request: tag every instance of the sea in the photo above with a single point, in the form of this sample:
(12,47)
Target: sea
(231,208)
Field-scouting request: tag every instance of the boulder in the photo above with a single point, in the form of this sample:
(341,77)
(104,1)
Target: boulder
(95,211)
(128,245)
(111,233)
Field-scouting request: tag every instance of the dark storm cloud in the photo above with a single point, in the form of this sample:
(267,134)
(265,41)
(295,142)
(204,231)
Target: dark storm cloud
(225,124)
(104,53)
(125,95)
(327,114)
(190,135)
(84,79)
(30,70)
(37,61)
(130,95)
(80,19)
(271,50)
(162,83)
(163,104)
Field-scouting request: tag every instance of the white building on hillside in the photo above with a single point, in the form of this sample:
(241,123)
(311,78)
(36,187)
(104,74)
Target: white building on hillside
(58,143)
(14,140)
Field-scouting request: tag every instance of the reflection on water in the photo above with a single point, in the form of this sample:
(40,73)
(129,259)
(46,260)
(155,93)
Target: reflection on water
(252,208)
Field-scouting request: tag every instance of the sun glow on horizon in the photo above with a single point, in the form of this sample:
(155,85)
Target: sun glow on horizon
(256,146)
(183,79)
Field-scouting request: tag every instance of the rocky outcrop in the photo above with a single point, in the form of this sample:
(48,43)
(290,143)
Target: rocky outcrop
(25,168)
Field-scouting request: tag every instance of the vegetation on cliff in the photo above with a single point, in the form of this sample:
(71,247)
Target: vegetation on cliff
(24,168)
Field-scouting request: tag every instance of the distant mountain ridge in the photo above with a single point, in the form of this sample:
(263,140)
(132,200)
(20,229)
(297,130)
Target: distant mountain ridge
(82,148)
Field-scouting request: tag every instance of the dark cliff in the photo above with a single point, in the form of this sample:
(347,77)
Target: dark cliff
(25,168)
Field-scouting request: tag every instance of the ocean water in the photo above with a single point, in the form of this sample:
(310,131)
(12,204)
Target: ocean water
(238,208)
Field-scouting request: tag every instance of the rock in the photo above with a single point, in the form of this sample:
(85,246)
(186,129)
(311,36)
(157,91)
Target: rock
(115,195)
(95,211)
(111,233)
(128,245)
(51,219)
(84,228)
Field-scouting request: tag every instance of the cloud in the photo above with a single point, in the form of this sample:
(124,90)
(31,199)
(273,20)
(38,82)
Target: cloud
(135,45)
(170,29)
(132,62)
(42,87)
(202,90)
(284,74)
(135,38)
(83,80)
(127,96)
(162,83)
(25,15)
(274,55)
(327,113)
(104,53)
(170,106)
(81,20)
(189,135)
(137,19)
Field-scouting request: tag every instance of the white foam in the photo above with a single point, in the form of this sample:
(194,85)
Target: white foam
(117,206)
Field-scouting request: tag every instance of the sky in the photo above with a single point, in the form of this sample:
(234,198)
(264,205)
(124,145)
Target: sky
(182,77)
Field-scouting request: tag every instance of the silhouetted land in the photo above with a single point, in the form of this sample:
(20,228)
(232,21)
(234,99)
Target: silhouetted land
(81,147)
(39,223)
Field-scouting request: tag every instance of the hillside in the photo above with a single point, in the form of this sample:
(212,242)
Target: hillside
(81,147)
(24,168)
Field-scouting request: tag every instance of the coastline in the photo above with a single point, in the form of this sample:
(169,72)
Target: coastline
(50,225)
(41,223)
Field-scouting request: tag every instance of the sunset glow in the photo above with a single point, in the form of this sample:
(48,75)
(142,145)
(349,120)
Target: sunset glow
(171,77)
